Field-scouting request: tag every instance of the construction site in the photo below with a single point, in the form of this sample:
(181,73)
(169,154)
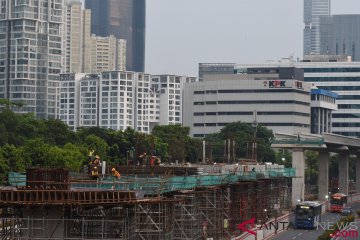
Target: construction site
(147,203)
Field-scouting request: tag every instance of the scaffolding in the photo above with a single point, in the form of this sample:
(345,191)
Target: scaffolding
(141,208)
(262,200)
(101,223)
(154,221)
(215,212)
(187,220)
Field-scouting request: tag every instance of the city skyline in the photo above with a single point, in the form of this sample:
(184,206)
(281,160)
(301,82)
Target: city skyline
(178,37)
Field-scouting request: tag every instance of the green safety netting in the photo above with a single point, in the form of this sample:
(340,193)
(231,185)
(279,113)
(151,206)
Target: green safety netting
(157,185)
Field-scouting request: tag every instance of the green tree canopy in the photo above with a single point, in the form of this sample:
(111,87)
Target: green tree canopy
(243,135)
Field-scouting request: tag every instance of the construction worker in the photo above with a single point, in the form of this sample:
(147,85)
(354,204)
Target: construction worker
(142,159)
(152,161)
(97,161)
(115,173)
(95,173)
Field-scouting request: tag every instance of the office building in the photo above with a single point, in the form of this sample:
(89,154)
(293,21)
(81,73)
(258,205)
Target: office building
(31,54)
(278,95)
(323,103)
(340,35)
(313,10)
(342,78)
(338,75)
(215,68)
(125,19)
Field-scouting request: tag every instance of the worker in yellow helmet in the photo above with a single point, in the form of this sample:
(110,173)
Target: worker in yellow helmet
(95,173)
(115,173)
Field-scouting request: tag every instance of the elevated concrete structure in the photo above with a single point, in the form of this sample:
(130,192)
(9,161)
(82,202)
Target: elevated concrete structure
(325,143)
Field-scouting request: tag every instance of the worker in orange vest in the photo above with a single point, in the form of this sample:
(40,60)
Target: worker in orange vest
(115,173)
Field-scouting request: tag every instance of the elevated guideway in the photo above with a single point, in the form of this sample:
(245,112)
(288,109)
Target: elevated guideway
(324,144)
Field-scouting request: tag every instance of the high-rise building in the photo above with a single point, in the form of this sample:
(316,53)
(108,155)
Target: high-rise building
(169,91)
(125,19)
(323,103)
(342,78)
(340,35)
(31,54)
(313,9)
(77,36)
(123,100)
(278,94)
(86,52)
(107,54)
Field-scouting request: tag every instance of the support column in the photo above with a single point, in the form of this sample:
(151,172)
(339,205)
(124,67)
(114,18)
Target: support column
(357,173)
(344,172)
(323,177)
(298,182)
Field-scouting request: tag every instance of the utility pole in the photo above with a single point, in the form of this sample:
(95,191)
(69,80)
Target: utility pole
(203,153)
(254,125)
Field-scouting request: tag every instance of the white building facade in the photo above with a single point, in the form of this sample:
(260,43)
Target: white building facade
(169,91)
(123,100)
(78,44)
(342,78)
(107,54)
(278,95)
(31,54)
(337,74)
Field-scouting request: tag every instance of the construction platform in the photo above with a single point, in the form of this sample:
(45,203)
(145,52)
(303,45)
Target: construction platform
(149,203)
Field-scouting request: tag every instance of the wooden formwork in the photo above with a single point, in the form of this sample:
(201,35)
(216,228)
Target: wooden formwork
(65,197)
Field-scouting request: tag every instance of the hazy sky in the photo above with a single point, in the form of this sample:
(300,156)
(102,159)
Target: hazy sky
(182,33)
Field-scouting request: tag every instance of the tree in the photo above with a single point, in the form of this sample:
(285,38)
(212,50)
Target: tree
(12,155)
(283,157)
(4,169)
(11,122)
(243,135)
(69,157)
(97,144)
(114,155)
(60,133)
(311,171)
(34,152)
(178,140)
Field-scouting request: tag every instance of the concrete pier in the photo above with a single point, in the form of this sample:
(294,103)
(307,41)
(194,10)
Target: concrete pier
(323,177)
(298,182)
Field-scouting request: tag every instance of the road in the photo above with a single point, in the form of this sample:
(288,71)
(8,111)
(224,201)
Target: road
(304,234)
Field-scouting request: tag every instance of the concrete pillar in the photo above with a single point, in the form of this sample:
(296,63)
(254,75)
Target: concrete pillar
(344,172)
(357,173)
(318,122)
(323,177)
(298,182)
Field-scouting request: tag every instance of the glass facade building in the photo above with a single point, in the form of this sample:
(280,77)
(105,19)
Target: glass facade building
(125,19)
(340,35)
(313,9)
(215,68)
